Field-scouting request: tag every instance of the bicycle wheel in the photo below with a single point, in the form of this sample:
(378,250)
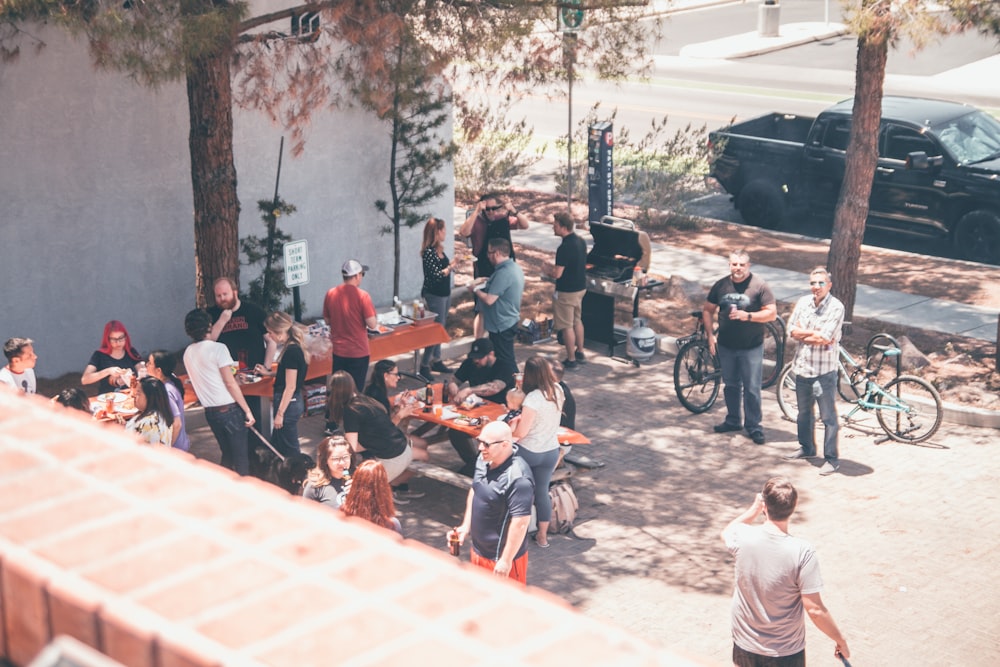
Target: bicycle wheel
(787,401)
(696,376)
(909,409)
(774,352)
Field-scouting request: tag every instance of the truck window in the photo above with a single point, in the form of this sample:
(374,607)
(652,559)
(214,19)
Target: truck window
(837,135)
(971,138)
(898,142)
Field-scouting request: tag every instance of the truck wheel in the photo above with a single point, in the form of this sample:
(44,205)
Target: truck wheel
(977,237)
(761,205)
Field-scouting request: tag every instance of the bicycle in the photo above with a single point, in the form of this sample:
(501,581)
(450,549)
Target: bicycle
(697,373)
(908,408)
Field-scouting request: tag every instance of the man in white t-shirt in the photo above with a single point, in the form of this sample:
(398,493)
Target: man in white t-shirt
(19,372)
(210,367)
(777,584)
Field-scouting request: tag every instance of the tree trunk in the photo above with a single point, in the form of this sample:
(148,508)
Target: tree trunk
(213,173)
(862,158)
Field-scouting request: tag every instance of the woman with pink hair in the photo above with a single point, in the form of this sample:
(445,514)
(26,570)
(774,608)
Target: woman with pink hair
(111,365)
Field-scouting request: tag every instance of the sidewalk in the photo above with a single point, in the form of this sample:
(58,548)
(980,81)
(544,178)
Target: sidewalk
(883,305)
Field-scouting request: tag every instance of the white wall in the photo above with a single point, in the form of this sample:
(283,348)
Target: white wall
(96,213)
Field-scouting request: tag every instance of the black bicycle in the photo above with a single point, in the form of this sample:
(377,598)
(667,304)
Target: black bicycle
(697,373)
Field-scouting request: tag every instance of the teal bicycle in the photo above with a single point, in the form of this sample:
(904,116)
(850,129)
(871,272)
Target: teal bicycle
(908,408)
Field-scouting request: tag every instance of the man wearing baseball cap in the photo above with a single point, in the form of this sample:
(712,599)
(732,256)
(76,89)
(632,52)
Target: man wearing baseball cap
(349,311)
(485,376)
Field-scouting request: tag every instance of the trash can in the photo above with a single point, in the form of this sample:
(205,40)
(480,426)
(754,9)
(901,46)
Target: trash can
(768,14)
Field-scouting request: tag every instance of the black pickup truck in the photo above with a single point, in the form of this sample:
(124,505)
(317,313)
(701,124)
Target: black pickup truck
(938,172)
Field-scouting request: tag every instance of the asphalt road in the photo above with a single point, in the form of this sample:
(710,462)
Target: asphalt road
(802,80)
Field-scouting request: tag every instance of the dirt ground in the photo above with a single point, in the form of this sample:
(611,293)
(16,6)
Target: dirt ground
(962,369)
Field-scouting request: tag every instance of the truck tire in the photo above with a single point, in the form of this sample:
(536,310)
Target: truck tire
(762,205)
(977,236)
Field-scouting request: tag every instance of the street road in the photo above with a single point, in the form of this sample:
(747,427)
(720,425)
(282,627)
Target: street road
(703,92)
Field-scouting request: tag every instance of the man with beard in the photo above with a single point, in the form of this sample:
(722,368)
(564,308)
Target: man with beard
(239,326)
(744,303)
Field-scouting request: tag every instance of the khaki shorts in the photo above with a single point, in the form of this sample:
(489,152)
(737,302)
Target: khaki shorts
(566,309)
(397,466)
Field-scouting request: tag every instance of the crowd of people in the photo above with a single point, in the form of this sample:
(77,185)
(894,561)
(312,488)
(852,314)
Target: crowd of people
(362,466)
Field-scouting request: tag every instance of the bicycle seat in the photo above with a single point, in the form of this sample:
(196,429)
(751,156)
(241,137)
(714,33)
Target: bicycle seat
(892,352)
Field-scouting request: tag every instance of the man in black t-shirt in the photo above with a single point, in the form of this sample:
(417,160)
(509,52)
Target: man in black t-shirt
(744,303)
(239,326)
(480,374)
(498,509)
(570,272)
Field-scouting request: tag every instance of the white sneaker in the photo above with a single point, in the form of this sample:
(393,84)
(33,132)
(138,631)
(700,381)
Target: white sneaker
(829,468)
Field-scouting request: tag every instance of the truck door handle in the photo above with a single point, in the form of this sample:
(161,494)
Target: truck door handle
(814,158)
(885,170)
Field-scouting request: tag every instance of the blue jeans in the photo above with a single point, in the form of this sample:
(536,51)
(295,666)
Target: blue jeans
(439,305)
(229,426)
(741,373)
(827,402)
(286,438)
(542,466)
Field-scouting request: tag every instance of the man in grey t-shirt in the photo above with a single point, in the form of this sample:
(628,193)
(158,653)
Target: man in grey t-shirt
(777,582)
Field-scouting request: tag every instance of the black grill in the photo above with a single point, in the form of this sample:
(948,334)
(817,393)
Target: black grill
(610,265)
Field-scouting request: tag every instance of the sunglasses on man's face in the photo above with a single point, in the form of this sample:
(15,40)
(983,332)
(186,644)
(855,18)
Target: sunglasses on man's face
(493,209)
(817,283)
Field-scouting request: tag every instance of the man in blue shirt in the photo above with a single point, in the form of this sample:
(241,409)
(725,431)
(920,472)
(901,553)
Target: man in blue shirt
(501,301)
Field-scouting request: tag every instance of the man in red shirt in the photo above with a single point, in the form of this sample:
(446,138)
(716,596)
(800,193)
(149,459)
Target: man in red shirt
(349,311)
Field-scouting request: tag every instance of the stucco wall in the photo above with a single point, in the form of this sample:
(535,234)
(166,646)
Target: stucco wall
(96,219)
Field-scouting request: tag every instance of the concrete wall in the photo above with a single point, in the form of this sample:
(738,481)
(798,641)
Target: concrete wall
(96,220)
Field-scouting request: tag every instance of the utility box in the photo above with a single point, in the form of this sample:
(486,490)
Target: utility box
(768,15)
(600,170)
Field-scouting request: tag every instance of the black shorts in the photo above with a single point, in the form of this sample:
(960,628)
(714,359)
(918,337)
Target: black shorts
(743,658)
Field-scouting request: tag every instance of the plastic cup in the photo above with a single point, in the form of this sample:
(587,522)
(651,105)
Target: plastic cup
(438,410)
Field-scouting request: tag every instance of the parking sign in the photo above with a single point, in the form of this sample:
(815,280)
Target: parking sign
(296,263)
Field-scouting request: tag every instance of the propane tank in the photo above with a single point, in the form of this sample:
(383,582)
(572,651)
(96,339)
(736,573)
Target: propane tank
(641,344)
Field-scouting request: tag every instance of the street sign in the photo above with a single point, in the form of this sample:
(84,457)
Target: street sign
(296,263)
(570,18)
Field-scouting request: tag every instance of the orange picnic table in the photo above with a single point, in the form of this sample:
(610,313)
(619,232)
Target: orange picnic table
(464,419)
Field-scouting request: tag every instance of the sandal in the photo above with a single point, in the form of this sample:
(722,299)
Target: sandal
(540,545)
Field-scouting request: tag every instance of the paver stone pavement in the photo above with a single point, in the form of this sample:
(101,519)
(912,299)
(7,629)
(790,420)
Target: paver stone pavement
(905,533)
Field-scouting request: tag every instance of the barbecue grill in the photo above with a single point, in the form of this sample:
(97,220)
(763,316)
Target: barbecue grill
(611,264)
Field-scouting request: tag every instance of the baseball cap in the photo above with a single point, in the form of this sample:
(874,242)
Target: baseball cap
(480,348)
(353,267)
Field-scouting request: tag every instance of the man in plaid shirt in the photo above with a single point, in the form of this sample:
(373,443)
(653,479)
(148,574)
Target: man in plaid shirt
(816,323)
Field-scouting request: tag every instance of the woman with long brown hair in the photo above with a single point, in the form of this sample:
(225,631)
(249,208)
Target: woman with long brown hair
(436,290)
(370,497)
(327,482)
(537,435)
